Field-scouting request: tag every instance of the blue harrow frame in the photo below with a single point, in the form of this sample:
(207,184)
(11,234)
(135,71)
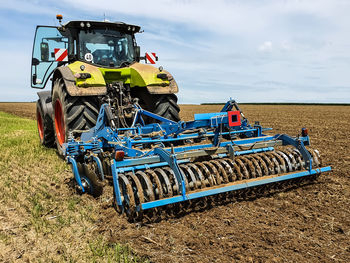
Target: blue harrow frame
(144,146)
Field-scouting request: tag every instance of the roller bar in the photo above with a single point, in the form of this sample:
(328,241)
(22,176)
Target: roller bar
(232,187)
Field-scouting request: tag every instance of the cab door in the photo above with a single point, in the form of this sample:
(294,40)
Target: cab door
(49,50)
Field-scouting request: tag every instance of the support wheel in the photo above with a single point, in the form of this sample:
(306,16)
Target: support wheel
(71,114)
(45,127)
(90,181)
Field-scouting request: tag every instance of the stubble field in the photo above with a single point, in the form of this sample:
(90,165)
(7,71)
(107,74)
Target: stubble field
(43,218)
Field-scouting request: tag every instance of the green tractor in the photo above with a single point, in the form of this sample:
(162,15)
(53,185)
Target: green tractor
(90,63)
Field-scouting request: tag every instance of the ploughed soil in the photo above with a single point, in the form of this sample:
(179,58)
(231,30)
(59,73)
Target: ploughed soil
(306,224)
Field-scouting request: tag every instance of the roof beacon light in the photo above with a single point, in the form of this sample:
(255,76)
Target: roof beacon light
(59,18)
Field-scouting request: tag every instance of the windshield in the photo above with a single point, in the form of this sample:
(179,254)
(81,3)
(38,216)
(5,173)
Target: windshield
(106,47)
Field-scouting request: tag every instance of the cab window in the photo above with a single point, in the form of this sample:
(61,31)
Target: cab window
(45,59)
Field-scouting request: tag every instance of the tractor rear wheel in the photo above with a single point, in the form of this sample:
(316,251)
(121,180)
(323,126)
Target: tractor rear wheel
(166,106)
(45,127)
(71,114)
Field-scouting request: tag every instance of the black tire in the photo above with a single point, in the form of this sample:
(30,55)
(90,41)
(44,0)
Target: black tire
(166,106)
(91,183)
(45,127)
(95,186)
(71,114)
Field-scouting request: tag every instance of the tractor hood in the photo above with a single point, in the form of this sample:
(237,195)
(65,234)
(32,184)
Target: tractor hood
(141,75)
(136,75)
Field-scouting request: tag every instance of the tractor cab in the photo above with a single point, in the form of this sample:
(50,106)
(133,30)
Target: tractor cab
(104,44)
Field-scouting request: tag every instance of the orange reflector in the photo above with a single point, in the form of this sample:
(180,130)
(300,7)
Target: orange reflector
(304,132)
(119,155)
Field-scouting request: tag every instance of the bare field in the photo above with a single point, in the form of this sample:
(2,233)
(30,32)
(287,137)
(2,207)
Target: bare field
(43,219)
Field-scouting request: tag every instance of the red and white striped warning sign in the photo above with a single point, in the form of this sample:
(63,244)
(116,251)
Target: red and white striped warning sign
(151,57)
(61,54)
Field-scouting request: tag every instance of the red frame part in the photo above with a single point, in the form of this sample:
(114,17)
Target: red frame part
(236,113)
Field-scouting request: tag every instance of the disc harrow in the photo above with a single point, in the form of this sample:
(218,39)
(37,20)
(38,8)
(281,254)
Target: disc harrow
(156,184)
(215,156)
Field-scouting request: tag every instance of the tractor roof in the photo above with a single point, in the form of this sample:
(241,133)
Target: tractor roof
(100,24)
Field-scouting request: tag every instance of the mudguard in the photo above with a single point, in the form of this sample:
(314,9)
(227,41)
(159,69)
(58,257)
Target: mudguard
(147,76)
(82,88)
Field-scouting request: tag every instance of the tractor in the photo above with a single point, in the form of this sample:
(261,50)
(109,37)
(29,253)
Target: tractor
(90,63)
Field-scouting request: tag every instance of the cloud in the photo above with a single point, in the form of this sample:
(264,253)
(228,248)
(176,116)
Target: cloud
(266,46)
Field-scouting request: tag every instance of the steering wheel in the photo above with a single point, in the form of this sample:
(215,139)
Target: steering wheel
(125,63)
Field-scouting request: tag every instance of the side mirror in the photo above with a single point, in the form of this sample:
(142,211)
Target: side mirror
(44,49)
(35,62)
(137,53)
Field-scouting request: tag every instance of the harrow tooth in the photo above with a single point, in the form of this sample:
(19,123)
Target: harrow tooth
(158,189)
(190,178)
(277,168)
(318,155)
(173,180)
(128,195)
(220,170)
(167,189)
(250,167)
(281,161)
(137,187)
(297,157)
(265,170)
(299,154)
(214,172)
(268,162)
(256,164)
(146,186)
(315,157)
(197,172)
(236,175)
(243,169)
(207,175)
(286,159)
(293,162)
(194,184)
(231,176)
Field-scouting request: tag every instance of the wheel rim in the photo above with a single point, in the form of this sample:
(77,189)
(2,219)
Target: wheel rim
(59,122)
(39,121)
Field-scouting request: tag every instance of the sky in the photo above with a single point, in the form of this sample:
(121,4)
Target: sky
(249,50)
